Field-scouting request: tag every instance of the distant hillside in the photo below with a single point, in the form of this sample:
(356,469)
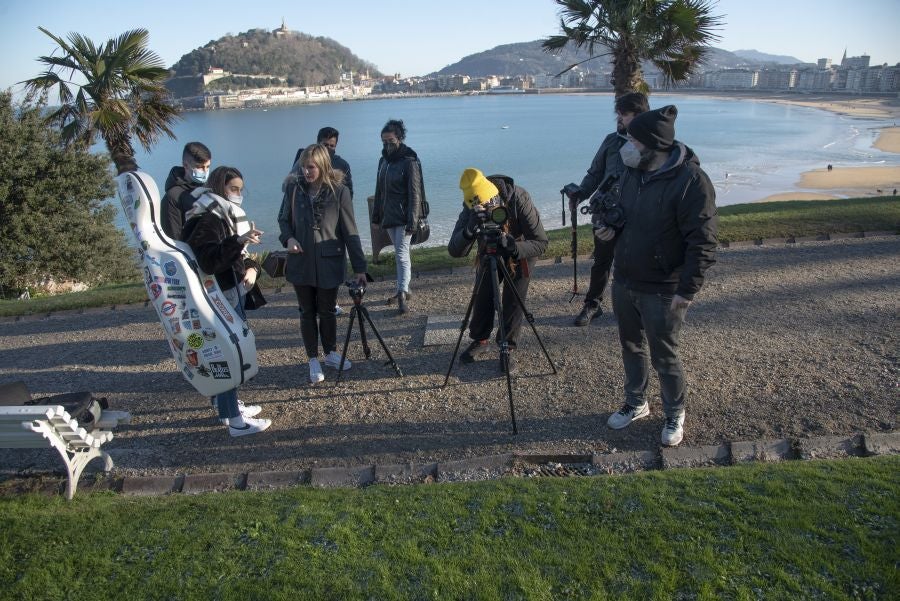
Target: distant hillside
(301,59)
(527,58)
(756,56)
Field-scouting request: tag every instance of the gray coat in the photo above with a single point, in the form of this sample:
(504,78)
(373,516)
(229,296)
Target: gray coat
(325,227)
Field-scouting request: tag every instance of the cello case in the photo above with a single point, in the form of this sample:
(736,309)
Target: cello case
(215,349)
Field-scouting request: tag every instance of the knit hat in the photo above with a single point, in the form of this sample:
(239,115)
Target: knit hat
(476,188)
(655,129)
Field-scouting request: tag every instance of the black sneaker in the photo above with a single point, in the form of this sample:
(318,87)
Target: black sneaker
(475,349)
(588,314)
(401,304)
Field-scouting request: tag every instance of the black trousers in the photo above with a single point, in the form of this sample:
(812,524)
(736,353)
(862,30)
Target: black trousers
(317,303)
(603,260)
(482,322)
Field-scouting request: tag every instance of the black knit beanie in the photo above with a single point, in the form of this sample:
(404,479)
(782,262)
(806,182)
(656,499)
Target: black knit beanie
(655,129)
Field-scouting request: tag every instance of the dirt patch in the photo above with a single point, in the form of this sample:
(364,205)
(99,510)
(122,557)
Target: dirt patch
(783,341)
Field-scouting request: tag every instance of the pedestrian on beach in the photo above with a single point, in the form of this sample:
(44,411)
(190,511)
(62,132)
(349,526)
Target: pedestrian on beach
(182,181)
(318,228)
(662,252)
(399,194)
(606,162)
(218,232)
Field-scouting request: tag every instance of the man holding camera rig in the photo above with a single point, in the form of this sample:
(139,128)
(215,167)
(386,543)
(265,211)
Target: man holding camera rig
(607,162)
(663,249)
(500,216)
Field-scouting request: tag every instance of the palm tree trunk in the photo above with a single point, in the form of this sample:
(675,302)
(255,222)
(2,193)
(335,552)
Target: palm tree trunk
(122,153)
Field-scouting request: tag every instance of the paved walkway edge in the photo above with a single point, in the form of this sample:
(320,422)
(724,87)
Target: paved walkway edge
(488,467)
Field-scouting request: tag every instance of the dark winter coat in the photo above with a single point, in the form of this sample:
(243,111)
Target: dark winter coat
(399,189)
(669,238)
(177,201)
(217,251)
(325,228)
(524,223)
(607,161)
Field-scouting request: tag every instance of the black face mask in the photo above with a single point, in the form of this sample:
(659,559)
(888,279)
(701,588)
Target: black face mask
(390,148)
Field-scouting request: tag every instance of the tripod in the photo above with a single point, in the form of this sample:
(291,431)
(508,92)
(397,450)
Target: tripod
(360,311)
(492,268)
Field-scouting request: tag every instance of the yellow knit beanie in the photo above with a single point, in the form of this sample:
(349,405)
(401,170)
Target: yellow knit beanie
(476,188)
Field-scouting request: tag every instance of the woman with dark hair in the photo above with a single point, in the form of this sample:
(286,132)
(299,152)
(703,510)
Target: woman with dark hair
(218,232)
(399,194)
(318,229)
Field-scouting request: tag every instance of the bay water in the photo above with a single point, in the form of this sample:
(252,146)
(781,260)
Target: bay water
(750,149)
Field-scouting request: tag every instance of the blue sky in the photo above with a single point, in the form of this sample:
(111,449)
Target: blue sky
(415,37)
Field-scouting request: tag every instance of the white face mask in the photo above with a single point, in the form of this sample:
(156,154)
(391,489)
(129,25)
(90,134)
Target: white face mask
(631,156)
(235,198)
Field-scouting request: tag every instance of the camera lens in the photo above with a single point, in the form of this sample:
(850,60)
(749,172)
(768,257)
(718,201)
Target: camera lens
(499,215)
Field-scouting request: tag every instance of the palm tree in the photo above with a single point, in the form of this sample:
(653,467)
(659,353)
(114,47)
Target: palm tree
(119,93)
(674,35)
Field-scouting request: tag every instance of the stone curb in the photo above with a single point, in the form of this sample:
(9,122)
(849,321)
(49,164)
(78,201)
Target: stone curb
(491,466)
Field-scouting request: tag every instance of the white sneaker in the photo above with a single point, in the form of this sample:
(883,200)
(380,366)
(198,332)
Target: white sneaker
(333,359)
(673,430)
(315,372)
(338,310)
(626,415)
(251,426)
(246,411)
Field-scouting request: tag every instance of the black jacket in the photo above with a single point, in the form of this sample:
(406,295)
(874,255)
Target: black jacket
(669,238)
(607,161)
(325,228)
(177,201)
(399,189)
(337,162)
(217,251)
(524,223)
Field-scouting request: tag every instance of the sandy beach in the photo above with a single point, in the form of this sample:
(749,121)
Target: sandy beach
(843,182)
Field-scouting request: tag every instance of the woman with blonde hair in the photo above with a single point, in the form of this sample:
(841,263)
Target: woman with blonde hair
(318,228)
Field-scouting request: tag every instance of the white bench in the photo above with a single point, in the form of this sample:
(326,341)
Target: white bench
(42,426)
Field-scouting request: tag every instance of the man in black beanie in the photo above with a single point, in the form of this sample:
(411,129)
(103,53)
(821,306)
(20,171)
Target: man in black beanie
(662,252)
(607,161)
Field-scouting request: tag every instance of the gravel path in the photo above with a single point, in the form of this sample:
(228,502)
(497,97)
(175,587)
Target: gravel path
(790,340)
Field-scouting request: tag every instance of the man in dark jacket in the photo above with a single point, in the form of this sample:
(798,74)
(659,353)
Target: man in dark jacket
(521,241)
(328,137)
(666,245)
(606,162)
(182,181)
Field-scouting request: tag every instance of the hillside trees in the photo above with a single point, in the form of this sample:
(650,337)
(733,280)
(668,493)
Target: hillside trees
(54,222)
(674,35)
(115,90)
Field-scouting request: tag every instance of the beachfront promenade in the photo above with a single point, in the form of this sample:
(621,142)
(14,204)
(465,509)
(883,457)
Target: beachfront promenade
(785,340)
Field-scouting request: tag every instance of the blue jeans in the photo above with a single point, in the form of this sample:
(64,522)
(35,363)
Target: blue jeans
(227,402)
(646,320)
(400,239)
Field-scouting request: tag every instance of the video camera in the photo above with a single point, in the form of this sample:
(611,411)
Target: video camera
(357,290)
(604,206)
(490,227)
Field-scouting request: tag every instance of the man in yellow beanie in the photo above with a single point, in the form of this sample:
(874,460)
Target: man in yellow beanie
(520,241)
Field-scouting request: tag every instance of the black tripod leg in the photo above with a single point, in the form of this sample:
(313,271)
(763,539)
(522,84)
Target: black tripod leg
(390,361)
(574,253)
(353,311)
(504,345)
(464,325)
(528,316)
(363,312)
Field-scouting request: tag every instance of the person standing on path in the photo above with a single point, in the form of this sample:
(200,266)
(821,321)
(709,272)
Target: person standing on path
(606,162)
(399,194)
(666,245)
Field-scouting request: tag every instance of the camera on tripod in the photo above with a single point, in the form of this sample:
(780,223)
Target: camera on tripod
(355,289)
(603,205)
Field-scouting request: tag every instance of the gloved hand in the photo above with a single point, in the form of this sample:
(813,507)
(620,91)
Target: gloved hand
(472,224)
(506,247)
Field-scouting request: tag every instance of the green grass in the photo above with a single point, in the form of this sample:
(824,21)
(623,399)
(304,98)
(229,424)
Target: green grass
(797,530)
(737,222)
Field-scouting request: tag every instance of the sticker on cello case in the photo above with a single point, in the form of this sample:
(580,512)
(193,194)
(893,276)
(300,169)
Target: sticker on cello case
(195,340)
(168,308)
(220,370)
(171,268)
